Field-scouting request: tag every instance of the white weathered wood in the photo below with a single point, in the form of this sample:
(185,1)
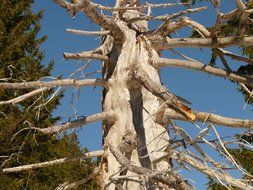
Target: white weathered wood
(98,153)
(195,65)
(211,118)
(110,116)
(64,82)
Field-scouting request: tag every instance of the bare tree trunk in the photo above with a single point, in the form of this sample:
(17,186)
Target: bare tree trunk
(137,149)
(134,107)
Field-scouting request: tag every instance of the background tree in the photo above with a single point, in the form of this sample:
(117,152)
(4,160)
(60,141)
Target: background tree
(20,61)
(139,151)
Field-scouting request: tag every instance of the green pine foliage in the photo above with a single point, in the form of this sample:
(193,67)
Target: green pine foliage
(20,60)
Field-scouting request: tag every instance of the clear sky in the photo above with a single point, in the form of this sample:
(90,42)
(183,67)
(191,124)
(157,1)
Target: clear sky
(207,93)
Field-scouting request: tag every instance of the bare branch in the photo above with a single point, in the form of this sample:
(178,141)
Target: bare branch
(194,65)
(171,180)
(212,173)
(89,33)
(76,123)
(98,153)
(240,5)
(168,43)
(90,10)
(24,97)
(64,82)
(145,6)
(85,55)
(235,56)
(211,118)
(76,184)
(167,17)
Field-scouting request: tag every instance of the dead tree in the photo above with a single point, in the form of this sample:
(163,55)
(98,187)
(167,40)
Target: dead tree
(138,152)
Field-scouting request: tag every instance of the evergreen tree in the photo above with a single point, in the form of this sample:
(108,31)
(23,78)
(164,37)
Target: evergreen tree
(20,60)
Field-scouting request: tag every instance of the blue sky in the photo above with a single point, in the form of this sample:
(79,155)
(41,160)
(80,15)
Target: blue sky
(207,93)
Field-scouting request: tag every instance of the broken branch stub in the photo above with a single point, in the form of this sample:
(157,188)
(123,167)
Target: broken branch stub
(160,91)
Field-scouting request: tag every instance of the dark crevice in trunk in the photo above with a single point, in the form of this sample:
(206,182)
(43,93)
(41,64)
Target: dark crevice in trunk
(136,102)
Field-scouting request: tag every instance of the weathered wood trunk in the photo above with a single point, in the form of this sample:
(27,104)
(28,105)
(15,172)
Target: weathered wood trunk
(135,133)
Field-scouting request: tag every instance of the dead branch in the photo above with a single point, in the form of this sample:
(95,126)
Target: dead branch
(212,118)
(85,55)
(185,21)
(173,180)
(160,91)
(195,65)
(235,56)
(98,153)
(76,123)
(24,97)
(90,10)
(211,172)
(76,184)
(240,5)
(64,82)
(167,17)
(168,43)
(88,33)
(145,6)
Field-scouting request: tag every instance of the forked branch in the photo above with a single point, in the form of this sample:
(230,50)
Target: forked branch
(90,10)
